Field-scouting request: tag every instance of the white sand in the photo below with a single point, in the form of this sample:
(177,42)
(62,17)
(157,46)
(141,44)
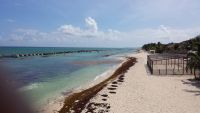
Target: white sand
(144,93)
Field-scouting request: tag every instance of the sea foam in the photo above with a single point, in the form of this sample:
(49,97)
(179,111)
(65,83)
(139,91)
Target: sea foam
(30,87)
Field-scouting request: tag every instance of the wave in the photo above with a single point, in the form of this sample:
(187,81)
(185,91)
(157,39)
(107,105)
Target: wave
(30,87)
(106,73)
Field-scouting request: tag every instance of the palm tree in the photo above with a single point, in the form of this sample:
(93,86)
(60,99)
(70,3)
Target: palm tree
(194,60)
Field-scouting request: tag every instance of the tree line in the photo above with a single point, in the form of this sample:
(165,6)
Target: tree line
(182,47)
(190,47)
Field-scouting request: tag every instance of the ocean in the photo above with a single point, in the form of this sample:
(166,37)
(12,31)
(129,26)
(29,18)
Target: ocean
(40,78)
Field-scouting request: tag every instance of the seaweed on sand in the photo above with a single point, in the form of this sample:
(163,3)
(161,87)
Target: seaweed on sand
(83,97)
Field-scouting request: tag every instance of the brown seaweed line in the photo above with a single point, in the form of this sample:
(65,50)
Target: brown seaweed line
(84,96)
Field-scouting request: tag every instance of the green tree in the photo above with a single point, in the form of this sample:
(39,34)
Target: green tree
(194,60)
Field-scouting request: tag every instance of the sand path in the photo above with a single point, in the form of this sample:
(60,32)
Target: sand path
(140,92)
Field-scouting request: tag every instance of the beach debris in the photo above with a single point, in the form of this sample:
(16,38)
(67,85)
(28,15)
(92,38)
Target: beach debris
(108,107)
(97,107)
(114,82)
(84,96)
(121,77)
(76,100)
(104,95)
(114,86)
(111,88)
(112,92)
(120,80)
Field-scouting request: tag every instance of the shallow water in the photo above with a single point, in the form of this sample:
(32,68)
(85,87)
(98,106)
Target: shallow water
(41,78)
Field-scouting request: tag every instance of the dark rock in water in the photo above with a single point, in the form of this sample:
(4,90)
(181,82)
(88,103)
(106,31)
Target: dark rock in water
(106,55)
(15,56)
(26,55)
(21,55)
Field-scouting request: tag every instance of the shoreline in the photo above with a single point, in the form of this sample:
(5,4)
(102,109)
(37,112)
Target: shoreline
(144,93)
(56,103)
(75,100)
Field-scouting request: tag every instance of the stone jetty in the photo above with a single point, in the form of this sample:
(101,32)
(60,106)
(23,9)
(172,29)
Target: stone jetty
(47,54)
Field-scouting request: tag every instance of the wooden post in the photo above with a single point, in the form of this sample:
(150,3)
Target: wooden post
(178,64)
(152,67)
(148,61)
(166,66)
(174,63)
(159,71)
(168,61)
(183,66)
(186,65)
(171,62)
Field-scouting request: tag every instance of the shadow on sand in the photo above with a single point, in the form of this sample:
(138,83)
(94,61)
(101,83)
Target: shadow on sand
(192,82)
(147,70)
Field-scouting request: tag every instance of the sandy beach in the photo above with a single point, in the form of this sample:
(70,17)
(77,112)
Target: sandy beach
(140,92)
(134,90)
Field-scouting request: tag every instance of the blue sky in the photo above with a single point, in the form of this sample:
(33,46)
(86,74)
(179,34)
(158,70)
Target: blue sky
(101,23)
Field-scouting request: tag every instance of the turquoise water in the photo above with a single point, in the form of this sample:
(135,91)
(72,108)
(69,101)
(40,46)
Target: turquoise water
(41,78)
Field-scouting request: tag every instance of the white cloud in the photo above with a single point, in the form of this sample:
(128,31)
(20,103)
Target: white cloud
(69,35)
(91,23)
(70,30)
(162,33)
(73,31)
(91,31)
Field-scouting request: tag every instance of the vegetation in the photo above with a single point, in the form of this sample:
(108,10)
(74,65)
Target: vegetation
(182,47)
(159,47)
(190,47)
(194,61)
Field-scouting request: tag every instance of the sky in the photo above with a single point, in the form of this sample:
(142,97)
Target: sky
(97,23)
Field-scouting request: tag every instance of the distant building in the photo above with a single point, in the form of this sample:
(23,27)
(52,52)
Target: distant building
(152,51)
